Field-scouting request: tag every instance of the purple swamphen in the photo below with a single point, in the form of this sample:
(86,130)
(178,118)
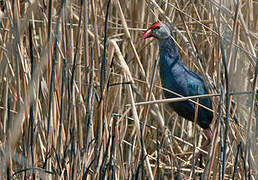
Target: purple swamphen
(176,77)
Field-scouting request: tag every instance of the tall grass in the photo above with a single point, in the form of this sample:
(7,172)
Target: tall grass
(75,74)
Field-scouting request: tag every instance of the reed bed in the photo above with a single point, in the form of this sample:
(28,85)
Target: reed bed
(81,97)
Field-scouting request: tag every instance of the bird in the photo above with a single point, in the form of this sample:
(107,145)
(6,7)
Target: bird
(176,77)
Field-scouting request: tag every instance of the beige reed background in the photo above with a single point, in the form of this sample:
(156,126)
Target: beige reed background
(69,89)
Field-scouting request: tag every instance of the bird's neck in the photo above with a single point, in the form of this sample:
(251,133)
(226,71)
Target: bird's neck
(168,53)
(169,59)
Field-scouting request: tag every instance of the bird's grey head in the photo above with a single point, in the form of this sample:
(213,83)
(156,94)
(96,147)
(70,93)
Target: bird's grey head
(158,30)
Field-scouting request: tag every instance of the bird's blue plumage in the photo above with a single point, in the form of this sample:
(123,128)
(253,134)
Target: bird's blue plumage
(176,77)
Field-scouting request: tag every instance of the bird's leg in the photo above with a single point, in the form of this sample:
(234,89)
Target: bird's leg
(209,135)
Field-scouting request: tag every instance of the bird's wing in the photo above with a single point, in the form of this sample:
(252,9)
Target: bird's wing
(191,83)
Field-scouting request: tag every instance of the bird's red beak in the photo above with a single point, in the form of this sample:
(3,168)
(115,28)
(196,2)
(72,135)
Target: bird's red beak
(147,34)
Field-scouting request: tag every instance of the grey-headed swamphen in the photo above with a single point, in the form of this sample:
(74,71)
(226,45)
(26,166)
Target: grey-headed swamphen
(176,77)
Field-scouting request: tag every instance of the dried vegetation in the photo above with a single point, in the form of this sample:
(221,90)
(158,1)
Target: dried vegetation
(72,73)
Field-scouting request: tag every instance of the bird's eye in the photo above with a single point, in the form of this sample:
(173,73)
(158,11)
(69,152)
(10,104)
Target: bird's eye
(158,27)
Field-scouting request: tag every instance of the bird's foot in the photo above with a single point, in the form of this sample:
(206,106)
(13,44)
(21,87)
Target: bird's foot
(205,145)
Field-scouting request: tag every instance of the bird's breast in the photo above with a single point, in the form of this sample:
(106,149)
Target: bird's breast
(172,78)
